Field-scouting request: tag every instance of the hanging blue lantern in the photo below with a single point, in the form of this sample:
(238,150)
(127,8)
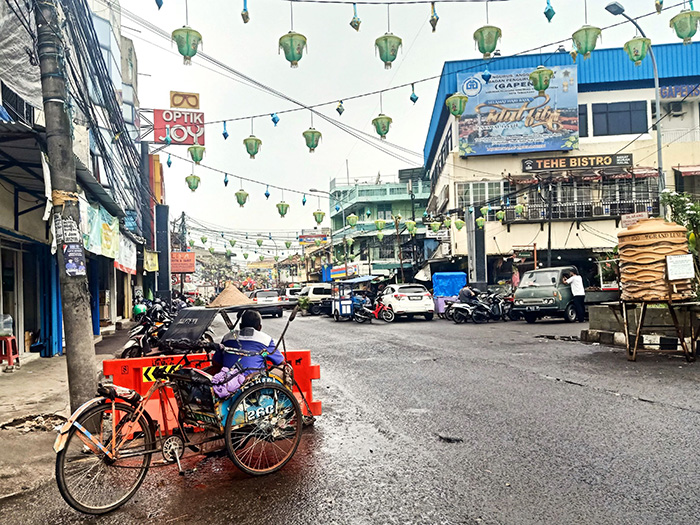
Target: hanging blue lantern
(170,162)
(267,192)
(303,201)
(225,133)
(159,3)
(486,75)
(269,235)
(275,119)
(337,207)
(245,15)
(225,184)
(339,108)
(355,22)
(413,97)
(549,11)
(168,138)
(433,16)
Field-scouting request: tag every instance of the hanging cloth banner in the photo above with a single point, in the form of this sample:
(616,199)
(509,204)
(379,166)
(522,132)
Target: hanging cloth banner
(126,257)
(150,261)
(110,234)
(92,234)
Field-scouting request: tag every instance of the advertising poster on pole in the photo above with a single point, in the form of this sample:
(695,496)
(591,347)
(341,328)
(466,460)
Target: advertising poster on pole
(507,115)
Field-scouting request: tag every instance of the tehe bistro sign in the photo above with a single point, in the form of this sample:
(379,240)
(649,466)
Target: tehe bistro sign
(577,162)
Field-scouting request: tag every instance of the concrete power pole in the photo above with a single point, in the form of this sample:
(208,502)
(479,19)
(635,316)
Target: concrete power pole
(75,296)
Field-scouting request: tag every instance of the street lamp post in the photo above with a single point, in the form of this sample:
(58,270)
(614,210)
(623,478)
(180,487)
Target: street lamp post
(342,207)
(615,8)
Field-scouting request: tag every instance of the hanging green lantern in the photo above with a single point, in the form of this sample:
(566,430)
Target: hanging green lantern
(293,45)
(352,220)
(585,40)
(637,49)
(350,241)
(245,255)
(486,39)
(228,252)
(480,223)
(519,209)
(447,222)
(277,258)
(685,24)
(241,197)
(388,46)
(203,239)
(484,210)
(211,250)
(410,226)
(187,40)
(379,224)
(282,208)
(381,124)
(459,224)
(318,216)
(192,181)
(288,244)
(262,258)
(191,243)
(196,153)
(259,242)
(317,242)
(252,145)
(435,226)
(457,103)
(232,242)
(312,137)
(380,236)
(500,215)
(540,79)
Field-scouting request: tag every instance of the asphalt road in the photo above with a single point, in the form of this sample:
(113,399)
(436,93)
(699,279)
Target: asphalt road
(436,423)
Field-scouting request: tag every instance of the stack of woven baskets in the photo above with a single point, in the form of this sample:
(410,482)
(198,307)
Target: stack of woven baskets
(643,249)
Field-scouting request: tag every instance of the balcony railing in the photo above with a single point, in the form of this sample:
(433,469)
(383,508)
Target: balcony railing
(381,192)
(680,135)
(576,210)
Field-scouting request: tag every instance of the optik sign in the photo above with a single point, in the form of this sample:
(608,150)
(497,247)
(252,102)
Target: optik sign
(183,127)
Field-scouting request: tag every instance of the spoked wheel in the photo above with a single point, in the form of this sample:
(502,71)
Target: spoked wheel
(263,429)
(88,479)
(388,315)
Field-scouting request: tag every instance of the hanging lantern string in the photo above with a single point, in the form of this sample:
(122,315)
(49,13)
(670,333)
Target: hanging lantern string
(381,103)
(388,19)
(585,11)
(487,11)
(187,14)
(257,85)
(251,125)
(291,14)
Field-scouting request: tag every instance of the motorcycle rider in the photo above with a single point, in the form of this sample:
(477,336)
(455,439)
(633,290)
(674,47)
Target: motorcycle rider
(467,295)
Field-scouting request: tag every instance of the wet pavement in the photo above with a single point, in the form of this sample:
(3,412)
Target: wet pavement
(437,423)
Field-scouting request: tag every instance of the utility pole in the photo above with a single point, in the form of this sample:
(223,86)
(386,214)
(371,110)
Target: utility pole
(183,248)
(549,226)
(75,297)
(397,221)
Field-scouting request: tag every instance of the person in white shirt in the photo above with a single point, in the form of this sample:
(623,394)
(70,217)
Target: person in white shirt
(579,293)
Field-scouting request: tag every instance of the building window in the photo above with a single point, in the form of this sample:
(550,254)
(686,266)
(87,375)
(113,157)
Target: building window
(384,211)
(620,118)
(386,251)
(480,193)
(582,120)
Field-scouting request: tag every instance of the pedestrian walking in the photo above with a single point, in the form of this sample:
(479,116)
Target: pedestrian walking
(579,293)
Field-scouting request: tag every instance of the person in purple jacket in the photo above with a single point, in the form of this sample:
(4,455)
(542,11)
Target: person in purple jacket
(250,340)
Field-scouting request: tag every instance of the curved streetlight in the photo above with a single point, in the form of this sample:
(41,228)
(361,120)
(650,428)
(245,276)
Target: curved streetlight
(342,207)
(617,9)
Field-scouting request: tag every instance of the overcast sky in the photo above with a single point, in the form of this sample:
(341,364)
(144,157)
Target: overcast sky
(339,63)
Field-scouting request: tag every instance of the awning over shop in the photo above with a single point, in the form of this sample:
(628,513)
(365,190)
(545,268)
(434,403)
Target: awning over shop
(363,279)
(644,173)
(688,171)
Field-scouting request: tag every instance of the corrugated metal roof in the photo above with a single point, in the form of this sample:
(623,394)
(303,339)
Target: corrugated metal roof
(605,70)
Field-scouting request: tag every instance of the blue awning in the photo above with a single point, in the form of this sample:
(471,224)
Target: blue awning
(358,280)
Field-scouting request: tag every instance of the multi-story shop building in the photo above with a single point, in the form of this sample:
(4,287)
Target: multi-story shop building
(558,169)
(370,200)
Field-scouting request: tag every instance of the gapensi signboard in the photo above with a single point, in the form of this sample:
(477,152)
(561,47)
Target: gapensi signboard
(506,115)
(184,127)
(182,262)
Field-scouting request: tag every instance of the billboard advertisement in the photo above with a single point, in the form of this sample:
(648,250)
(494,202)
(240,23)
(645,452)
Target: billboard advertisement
(182,262)
(182,127)
(506,115)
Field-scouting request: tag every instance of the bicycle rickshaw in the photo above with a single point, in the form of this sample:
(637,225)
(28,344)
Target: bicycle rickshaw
(107,446)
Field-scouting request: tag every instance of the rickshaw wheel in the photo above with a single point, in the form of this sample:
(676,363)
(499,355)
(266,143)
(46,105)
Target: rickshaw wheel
(263,429)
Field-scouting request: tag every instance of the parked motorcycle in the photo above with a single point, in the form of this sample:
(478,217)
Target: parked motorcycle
(381,311)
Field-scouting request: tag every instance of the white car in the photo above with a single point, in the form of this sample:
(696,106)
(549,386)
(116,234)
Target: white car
(409,300)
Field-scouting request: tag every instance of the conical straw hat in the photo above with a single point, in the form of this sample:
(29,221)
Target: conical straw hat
(231,296)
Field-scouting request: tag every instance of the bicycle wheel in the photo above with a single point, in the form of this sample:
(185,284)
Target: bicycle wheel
(263,429)
(88,479)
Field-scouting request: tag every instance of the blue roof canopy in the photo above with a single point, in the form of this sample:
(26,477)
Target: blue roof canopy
(605,70)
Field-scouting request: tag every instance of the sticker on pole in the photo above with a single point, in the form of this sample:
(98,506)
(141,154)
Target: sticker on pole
(680,267)
(74,258)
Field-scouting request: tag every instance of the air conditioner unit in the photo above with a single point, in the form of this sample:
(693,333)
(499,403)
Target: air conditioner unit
(676,109)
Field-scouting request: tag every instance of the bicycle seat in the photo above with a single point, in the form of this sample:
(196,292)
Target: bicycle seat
(113,392)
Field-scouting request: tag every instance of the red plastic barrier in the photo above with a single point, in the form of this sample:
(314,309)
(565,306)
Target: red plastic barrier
(136,374)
